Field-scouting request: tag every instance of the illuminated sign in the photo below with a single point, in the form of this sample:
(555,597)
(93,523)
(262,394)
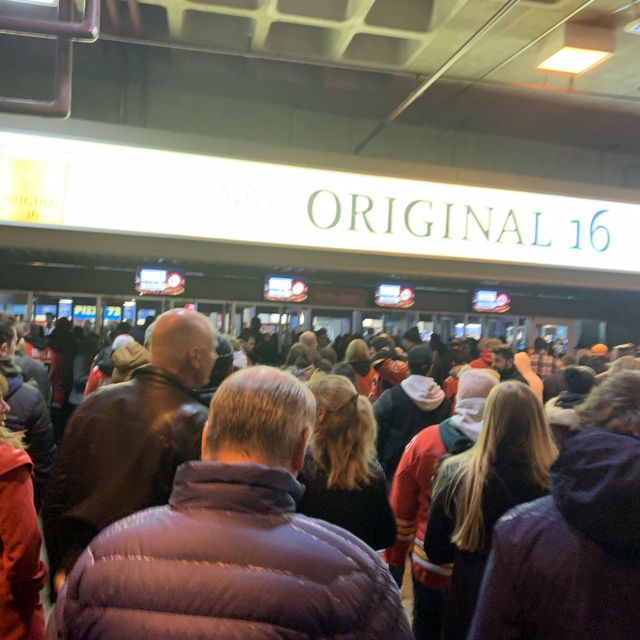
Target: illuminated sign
(84,312)
(254,203)
(163,282)
(283,289)
(389,294)
(113,314)
(31,190)
(490,301)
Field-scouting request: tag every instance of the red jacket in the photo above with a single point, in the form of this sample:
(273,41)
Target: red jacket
(390,373)
(95,380)
(410,499)
(22,573)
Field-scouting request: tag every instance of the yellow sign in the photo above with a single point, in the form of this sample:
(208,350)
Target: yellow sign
(32,190)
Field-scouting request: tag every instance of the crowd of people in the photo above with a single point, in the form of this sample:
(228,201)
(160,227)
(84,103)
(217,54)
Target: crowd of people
(191,485)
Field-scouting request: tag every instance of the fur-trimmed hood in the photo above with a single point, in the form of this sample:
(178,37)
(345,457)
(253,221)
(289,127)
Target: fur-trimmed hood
(561,416)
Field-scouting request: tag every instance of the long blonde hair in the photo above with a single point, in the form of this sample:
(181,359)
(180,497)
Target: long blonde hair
(514,423)
(343,441)
(357,349)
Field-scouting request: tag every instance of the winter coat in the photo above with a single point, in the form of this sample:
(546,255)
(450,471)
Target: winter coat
(61,374)
(367,379)
(390,370)
(29,413)
(96,379)
(127,359)
(568,566)
(507,486)
(38,348)
(410,497)
(229,559)
(365,512)
(81,371)
(22,573)
(119,455)
(402,412)
(34,372)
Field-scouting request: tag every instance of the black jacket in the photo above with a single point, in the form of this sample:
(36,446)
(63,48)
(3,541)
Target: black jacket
(507,486)
(568,566)
(364,512)
(29,413)
(35,372)
(399,419)
(119,455)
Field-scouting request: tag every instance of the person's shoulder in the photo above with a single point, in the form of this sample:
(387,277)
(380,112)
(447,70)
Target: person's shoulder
(13,458)
(527,521)
(334,545)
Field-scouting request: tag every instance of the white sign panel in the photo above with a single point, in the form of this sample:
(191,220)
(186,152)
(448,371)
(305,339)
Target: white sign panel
(96,186)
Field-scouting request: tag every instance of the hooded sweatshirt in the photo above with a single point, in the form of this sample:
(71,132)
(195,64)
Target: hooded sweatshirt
(568,566)
(402,412)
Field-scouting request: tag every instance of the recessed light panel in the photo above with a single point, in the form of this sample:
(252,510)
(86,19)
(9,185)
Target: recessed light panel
(573,60)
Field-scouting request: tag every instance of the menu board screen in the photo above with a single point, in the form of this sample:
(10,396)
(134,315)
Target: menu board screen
(160,282)
(285,289)
(390,294)
(490,301)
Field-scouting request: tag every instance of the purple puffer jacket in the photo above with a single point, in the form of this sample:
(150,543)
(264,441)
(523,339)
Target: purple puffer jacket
(228,559)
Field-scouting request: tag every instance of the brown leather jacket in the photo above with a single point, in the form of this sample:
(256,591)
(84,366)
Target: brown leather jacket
(119,455)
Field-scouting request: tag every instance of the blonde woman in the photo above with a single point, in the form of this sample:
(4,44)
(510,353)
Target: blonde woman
(345,484)
(509,465)
(358,356)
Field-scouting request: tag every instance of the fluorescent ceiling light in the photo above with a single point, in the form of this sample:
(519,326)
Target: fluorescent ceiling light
(573,60)
(576,48)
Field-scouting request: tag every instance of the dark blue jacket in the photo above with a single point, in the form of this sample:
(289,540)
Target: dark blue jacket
(229,559)
(29,413)
(568,566)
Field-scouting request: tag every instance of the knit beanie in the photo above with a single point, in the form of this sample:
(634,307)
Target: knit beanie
(476,383)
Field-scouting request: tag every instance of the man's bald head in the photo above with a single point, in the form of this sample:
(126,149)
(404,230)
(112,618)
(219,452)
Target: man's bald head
(309,339)
(184,345)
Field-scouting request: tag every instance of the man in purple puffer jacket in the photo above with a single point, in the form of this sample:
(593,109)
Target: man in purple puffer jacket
(229,558)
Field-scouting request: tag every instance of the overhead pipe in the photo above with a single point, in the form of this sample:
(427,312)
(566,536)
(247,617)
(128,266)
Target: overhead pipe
(431,80)
(60,105)
(87,30)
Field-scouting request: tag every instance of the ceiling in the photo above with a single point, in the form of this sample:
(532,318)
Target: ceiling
(365,56)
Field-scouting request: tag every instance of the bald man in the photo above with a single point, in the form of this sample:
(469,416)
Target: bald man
(309,339)
(123,445)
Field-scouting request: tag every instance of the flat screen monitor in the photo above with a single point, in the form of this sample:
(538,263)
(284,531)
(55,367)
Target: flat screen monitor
(159,281)
(391,294)
(285,289)
(490,301)
(43,309)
